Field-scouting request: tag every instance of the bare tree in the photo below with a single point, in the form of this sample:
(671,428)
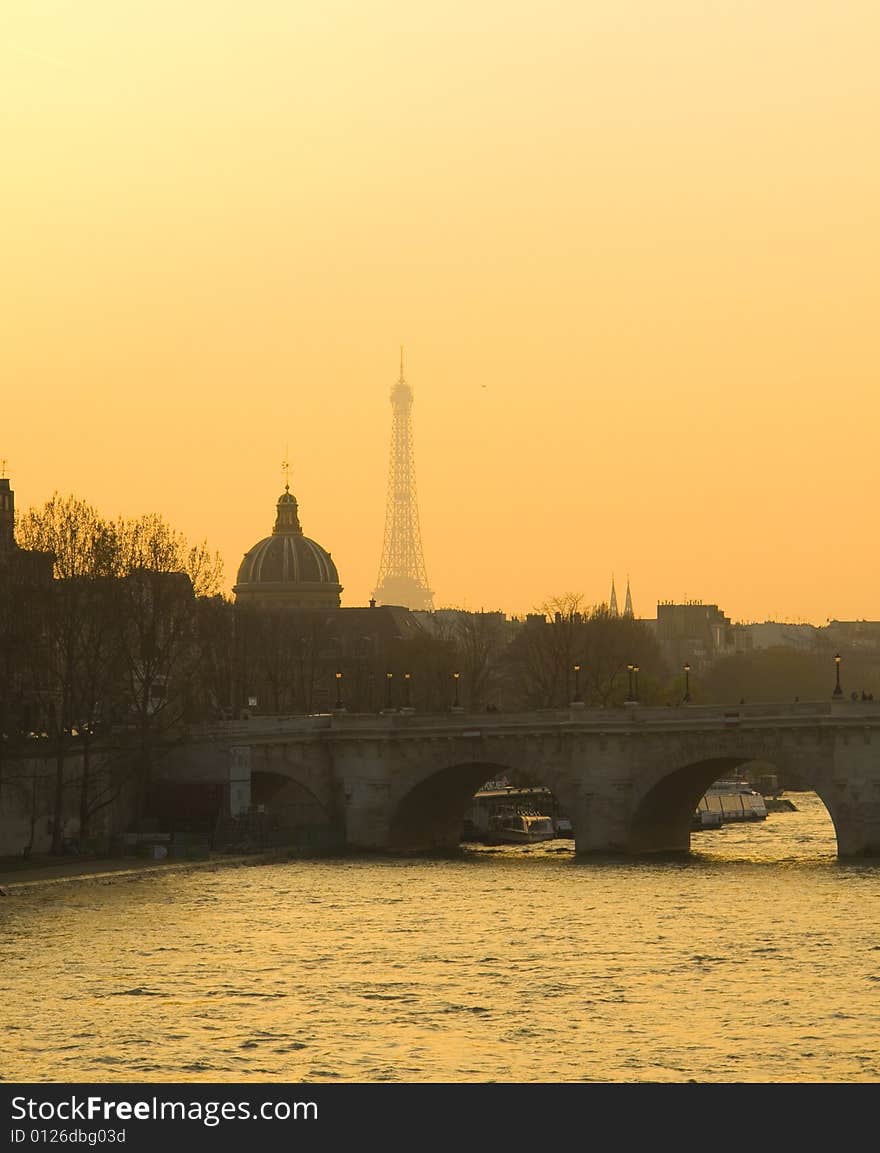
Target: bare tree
(213,688)
(149,543)
(475,644)
(121,640)
(542,655)
(83,545)
(564,633)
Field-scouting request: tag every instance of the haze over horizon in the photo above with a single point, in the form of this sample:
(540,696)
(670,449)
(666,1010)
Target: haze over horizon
(631,253)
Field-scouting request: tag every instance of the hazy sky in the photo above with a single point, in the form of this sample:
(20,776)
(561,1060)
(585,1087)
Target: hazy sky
(632,248)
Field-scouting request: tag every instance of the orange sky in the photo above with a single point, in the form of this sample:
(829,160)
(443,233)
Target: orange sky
(632,249)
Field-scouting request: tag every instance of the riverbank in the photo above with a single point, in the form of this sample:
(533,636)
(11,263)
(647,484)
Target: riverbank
(51,870)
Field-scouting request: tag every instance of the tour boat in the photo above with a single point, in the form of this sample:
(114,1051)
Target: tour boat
(501,813)
(521,827)
(729,800)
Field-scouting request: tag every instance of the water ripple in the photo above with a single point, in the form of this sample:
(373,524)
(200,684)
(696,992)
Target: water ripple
(752,961)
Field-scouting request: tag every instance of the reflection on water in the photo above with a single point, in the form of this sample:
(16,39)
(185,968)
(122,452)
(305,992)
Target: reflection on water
(755,960)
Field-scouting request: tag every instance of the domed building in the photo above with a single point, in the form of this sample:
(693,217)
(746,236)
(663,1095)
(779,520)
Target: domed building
(287,569)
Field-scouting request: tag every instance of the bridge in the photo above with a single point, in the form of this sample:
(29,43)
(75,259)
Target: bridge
(629,778)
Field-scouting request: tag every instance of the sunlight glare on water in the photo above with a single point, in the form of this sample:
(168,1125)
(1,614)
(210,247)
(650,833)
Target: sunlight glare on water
(755,960)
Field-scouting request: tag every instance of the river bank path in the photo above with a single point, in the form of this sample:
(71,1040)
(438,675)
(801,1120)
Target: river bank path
(51,870)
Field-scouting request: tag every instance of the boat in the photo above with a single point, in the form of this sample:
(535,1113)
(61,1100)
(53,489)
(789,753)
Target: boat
(521,827)
(499,812)
(563,826)
(729,800)
(706,819)
(737,800)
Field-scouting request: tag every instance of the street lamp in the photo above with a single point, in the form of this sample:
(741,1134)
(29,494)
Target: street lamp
(406,679)
(455,703)
(388,679)
(838,691)
(629,672)
(338,689)
(577,683)
(687,684)
(636,680)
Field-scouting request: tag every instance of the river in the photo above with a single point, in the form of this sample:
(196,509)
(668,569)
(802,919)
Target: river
(755,960)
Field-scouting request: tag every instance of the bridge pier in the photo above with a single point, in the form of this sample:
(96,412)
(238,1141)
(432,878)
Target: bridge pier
(367,812)
(600,821)
(855,810)
(605,824)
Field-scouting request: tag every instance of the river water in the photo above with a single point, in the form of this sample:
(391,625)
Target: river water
(756,960)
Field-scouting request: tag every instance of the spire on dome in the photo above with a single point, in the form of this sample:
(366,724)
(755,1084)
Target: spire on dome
(612,607)
(628,607)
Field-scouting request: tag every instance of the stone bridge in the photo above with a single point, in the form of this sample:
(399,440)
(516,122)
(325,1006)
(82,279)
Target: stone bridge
(629,778)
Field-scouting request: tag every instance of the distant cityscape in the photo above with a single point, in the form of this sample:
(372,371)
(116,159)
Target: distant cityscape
(117,644)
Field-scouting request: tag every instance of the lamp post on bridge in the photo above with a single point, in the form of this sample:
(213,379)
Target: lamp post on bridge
(339,705)
(389,677)
(578,700)
(456,704)
(636,683)
(838,691)
(687,684)
(406,690)
(629,691)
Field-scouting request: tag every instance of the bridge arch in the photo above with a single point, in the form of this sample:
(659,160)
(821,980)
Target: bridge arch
(429,813)
(661,817)
(288,800)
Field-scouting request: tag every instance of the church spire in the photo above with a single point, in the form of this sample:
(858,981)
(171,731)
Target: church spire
(612,607)
(628,607)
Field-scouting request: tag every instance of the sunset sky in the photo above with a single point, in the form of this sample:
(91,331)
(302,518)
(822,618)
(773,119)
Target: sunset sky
(631,247)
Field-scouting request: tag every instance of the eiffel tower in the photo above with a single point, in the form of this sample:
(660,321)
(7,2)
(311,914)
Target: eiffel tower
(402,577)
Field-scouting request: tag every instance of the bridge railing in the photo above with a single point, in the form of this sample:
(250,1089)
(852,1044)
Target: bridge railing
(680,716)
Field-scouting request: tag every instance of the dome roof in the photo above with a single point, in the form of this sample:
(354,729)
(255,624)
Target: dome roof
(288,567)
(289,559)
